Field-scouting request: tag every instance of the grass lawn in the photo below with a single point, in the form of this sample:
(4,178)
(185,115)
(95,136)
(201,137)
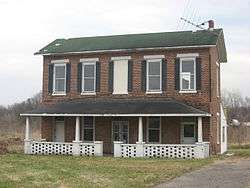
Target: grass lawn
(240,150)
(19,170)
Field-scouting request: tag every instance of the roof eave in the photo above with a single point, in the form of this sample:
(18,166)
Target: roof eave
(125,50)
(115,115)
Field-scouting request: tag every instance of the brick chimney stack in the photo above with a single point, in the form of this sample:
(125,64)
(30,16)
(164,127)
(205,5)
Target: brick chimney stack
(210,24)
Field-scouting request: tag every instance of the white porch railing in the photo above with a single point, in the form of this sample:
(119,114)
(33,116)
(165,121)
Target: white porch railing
(187,151)
(63,148)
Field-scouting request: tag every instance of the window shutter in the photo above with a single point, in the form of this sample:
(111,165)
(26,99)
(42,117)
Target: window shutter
(50,82)
(143,75)
(177,74)
(130,76)
(111,76)
(198,73)
(68,76)
(98,76)
(79,77)
(164,74)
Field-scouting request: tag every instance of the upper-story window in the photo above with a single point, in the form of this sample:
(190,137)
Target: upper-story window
(59,85)
(88,77)
(187,74)
(154,75)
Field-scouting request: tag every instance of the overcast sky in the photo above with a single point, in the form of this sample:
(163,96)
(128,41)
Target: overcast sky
(26,26)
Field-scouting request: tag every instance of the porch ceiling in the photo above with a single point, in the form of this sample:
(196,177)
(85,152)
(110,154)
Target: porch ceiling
(118,107)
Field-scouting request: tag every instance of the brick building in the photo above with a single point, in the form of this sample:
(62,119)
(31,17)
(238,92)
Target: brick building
(153,94)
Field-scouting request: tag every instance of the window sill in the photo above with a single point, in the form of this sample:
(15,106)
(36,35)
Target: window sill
(58,94)
(120,93)
(153,92)
(85,93)
(187,91)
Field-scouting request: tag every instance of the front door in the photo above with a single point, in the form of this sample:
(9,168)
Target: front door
(188,133)
(120,131)
(59,131)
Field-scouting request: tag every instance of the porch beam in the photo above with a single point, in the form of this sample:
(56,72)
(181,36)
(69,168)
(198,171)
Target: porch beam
(140,131)
(27,129)
(77,130)
(200,139)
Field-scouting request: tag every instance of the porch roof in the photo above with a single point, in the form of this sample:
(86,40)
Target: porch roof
(118,107)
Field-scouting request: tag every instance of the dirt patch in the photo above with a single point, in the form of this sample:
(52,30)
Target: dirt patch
(3,147)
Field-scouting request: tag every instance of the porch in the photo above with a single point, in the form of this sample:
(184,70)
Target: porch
(122,135)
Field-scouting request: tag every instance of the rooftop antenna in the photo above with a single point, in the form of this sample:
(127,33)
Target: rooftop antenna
(210,25)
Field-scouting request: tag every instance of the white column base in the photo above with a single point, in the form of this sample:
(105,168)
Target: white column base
(27,146)
(76,148)
(98,148)
(199,150)
(117,148)
(140,149)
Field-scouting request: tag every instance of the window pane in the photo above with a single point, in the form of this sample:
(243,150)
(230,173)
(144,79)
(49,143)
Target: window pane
(89,70)
(188,66)
(185,79)
(89,84)
(124,138)
(88,120)
(60,71)
(153,135)
(59,84)
(154,122)
(88,134)
(192,82)
(154,83)
(116,136)
(154,68)
(88,127)
(189,130)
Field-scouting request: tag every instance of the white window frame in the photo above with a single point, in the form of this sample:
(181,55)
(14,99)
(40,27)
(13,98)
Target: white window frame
(54,79)
(218,79)
(83,128)
(218,128)
(183,123)
(112,128)
(148,129)
(88,92)
(187,73)
(147,75)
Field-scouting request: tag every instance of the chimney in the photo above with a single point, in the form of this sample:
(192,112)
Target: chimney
(210,24)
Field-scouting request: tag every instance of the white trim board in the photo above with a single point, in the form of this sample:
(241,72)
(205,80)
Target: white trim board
(116,115)
(89,60)
(154,57)
(60,61)
(188,55)
(120,58)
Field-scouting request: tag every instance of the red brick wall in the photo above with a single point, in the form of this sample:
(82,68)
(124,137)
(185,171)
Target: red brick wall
(200,99)
(206,99)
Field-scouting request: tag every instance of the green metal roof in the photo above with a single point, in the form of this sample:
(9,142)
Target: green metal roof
(136,41)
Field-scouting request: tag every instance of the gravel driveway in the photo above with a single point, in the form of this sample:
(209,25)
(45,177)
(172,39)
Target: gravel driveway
(230,173)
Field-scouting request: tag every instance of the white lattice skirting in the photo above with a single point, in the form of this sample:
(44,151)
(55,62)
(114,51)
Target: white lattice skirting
(179,151)
(63,148)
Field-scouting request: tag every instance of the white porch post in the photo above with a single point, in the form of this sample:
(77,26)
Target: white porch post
(76,142)
(140,130)
(140,143)
(77,131)
(200,139)
(27,140)
(27,128)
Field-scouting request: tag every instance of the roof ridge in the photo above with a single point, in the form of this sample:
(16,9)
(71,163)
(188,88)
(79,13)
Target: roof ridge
(129,34)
